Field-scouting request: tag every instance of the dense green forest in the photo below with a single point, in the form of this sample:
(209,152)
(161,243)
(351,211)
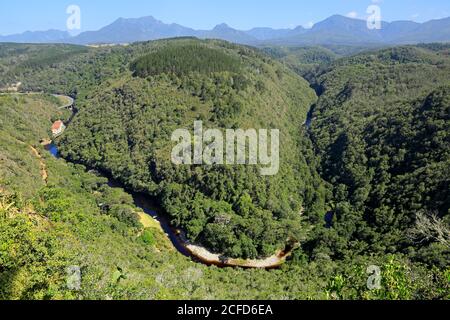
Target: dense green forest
(366,184)
(185,59)
(304,60)
(381,129)
(125,129)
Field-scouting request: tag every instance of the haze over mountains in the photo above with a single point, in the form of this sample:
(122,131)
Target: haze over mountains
(336,30)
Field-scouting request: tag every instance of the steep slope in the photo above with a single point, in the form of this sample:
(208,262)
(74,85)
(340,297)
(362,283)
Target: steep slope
(229,87)
(23,62)
(305,61)
(78,221)
(23,122)
(381,127)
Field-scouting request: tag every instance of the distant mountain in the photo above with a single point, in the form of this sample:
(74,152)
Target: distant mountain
(431,31)
(340,30)
(37,37)
(148,28)
(225,32)
(270,34)
(132,30)
(336,30)
(398,29)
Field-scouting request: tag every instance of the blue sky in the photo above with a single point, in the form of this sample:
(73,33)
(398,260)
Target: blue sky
(19,15)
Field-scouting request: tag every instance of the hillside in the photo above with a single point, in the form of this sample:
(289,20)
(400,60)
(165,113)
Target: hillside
(305,61)
(22,120)
(381,129)
(366,185)
(77,220)
(334,30)
(232,87)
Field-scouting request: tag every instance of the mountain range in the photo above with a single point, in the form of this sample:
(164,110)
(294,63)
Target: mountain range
(336,30)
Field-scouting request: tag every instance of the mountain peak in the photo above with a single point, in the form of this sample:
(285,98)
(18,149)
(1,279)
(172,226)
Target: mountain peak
(141,20)
(339,17)
(337,29)
(339,23)
(299,28)
(222,26)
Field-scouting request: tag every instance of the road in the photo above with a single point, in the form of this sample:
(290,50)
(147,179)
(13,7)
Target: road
(70,101)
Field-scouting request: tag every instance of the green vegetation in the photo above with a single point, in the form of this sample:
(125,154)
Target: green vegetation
(23,122)
(184,59)
(381,128)
(304,60)
(134,146)
(375,162)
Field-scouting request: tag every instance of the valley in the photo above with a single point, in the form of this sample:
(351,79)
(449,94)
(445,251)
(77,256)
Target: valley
(176,236)
(364,142)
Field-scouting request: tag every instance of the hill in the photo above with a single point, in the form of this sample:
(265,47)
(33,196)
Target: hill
(22,120)
(76,221)
(381,129)
(370,188)
(235,87)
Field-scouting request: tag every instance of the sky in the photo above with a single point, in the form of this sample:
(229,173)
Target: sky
(17,16)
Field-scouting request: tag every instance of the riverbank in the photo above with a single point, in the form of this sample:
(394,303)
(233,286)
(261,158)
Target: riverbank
(209,258)
(196,252)
(199,253)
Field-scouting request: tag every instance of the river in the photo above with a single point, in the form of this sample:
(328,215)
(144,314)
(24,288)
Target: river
(181,244)
(143,202)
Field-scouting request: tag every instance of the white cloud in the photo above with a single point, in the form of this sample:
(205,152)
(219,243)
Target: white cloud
(352,14)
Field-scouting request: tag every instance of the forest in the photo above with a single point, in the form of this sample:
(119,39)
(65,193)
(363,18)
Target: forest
(263,213)
(381,131)
(366,183)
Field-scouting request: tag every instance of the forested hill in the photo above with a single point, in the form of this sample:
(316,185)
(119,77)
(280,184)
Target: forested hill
(74,219)
(366,185)
(381,129)
(124,127)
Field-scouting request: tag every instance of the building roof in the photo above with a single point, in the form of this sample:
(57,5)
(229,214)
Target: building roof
(57,125)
